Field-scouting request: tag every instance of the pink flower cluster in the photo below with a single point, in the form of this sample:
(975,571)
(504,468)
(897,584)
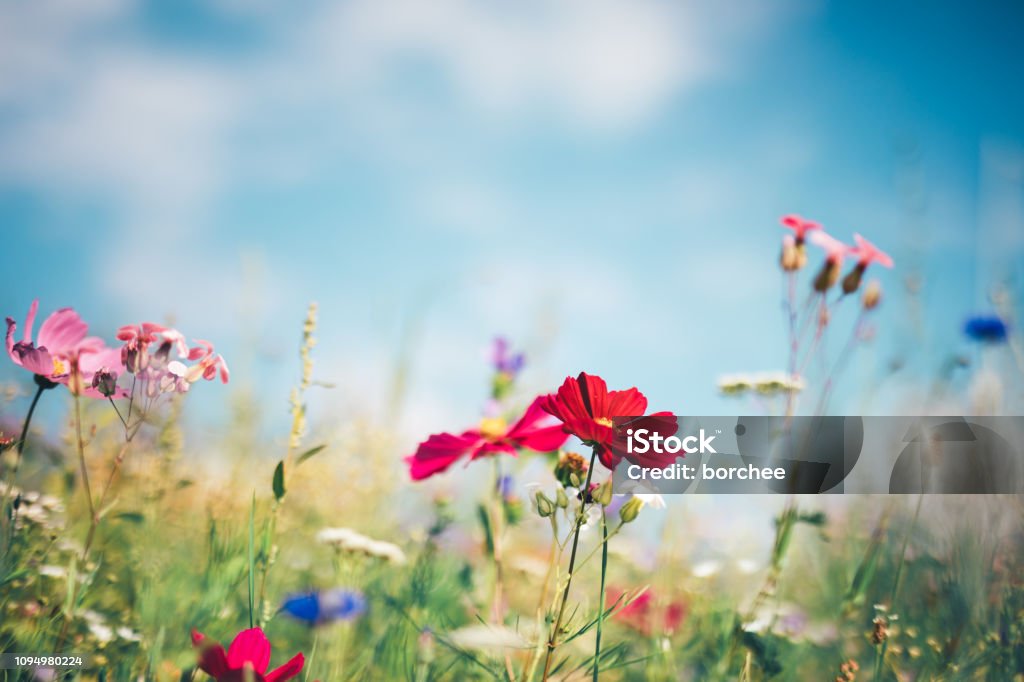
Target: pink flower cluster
(147,353)
(63,354)
(794,258)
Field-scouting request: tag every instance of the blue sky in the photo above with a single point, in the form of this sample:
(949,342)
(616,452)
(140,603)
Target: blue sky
(600,181)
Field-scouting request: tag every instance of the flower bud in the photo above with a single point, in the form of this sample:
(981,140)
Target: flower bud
(630,510)
(872,295)
(134,357)
(162,354)
(561,499)
(545,507)
(827,276)
(852,280)
(794,254)
(105,382)
(603,495)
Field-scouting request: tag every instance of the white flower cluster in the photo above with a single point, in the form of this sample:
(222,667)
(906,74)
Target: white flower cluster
(34,507)
(765,383)
(348,540)
(103,632)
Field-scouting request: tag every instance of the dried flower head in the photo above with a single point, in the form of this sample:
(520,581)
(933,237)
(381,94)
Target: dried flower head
(872,295)
(571,469)
(880,631)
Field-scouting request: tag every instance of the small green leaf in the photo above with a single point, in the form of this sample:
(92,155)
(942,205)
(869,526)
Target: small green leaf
(131,517)
(485,524)
(308,453)
(279,481)
(814,518)
(13,576)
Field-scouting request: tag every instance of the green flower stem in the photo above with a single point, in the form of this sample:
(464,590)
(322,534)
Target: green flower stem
(881,649)
(553,637)
(600,601)
(19,448)
(28,422)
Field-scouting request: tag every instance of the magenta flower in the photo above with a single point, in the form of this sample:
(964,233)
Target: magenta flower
(867,253)
(247,658)
(535,431)
(61,352)
(800,226)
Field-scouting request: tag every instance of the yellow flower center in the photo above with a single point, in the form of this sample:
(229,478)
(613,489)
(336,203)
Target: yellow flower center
(603,421)
(58,367)
(493,428)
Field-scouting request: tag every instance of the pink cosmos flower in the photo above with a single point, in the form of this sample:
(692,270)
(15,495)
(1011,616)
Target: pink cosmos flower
(535,430)
(59,334)
(800,226)
(246,659)
(61,352)
(867,253)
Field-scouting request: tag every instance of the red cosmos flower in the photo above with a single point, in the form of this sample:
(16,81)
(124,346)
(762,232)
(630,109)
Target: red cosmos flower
(588,410)
(641,613)
(867,253)
(799,226)
(533,431)
(246,659)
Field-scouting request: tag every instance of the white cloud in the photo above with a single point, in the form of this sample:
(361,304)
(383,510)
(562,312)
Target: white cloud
(39,43)
(599,63)
(98,110)
(142,130)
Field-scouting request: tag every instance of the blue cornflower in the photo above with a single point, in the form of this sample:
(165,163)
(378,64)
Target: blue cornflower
(325,606)
(506,486)
(986,328)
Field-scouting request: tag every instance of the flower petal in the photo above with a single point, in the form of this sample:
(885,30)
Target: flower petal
(439,452)
(568,405)
(61,331)
(35,360)
(288,670)
(628,403)
(535,430)
(250,646)
(30,320)
(212,659)
(12,326)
